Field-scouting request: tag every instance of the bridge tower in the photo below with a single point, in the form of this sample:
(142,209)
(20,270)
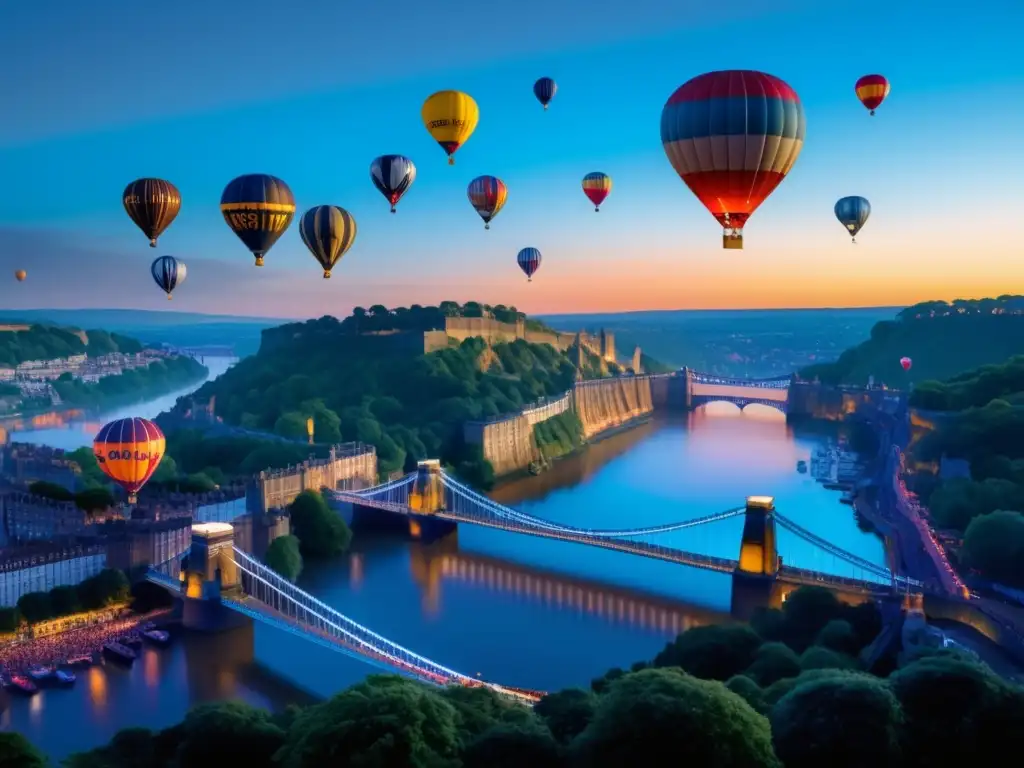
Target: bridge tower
(688,374)
(754,580)
(426,500)
(209,572)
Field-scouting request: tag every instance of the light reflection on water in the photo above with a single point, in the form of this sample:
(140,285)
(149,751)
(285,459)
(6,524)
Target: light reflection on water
(516,609)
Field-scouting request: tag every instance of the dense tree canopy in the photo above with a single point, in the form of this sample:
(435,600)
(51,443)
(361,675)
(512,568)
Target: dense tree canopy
(319,529)
(51,342)
(284,557)
(941,346)
(994,544)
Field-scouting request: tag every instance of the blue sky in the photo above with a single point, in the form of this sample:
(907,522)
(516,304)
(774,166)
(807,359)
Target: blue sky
(313,92)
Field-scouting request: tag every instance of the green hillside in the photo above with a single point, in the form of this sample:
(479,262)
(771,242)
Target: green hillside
(359,380)
(942,339)
(20,342)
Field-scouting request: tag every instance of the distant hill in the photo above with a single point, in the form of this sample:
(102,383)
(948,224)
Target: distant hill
(761,342)
(181,329)
(21,342)
(942,339)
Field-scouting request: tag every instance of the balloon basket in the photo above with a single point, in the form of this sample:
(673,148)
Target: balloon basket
(451,160)
(259,261)
(487,226)
(327,274)
(393,209)
(596,209)
(168,297)
(732,242)
(152,242)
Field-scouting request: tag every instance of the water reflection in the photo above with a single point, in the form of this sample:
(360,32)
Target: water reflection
(98,689)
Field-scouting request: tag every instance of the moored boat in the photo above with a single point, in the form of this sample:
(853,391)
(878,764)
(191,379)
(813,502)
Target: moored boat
(117,652)
(39,672)
(84,660)
(22,685)
(132,641)
(157,636)
(65,677)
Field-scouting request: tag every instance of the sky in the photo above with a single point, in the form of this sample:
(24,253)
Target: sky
(313,92)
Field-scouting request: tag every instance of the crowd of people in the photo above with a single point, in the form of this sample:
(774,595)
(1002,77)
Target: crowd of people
(16,658)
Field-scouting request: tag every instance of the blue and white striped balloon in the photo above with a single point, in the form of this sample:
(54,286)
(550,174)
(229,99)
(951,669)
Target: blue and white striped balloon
(169,273)
(392,175)
(529,262)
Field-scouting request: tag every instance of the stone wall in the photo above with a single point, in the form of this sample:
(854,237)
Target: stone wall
(605,404)
(506,443)
(351,465)
(33,518)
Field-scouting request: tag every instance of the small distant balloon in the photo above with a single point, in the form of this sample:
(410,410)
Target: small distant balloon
(450,117)
(258,208)
(487,195)
(168,273)
(392,175)
(853,213)
(545,90)
(328,232)
(20,275)
(907,363)
(872,91)
(597,186)
(129,451)
(529,262)
(152,204)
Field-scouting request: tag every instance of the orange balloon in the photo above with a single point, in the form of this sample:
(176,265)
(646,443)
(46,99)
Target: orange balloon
(21,274)
(129,451)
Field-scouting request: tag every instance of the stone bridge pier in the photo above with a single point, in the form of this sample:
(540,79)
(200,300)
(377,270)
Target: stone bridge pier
(208,573)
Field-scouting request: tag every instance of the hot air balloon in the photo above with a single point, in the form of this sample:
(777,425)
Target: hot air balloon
(529,262)
(872,90)
(258,208)
(545,90)
(392,175)
(597,186)
(328,231)
(450,117)
(152,205)
(169,273)
(732,137)
(129,451)
(487,194)
(906,362)
(853,213)
(20,275)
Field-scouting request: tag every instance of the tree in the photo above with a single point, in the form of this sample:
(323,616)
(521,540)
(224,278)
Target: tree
(320,530)
(130,748)
(17,752)
(567,712)
(806,612)
(749,691)
(952,708)
(817,657)
(50,490)
(773,661)
(229,733)
(774,692)
(283,556)
(93,499)
(841,723)
(64,600)
(664,717)
(838,635)
(383,721)
(480,709)
(994,544)
(35,607)
(513,746)
(10,619)
(715,652)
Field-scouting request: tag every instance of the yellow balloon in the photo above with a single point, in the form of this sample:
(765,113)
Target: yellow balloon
(450,117)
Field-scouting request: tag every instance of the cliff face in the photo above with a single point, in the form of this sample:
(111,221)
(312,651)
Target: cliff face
(507,444)
(609,403)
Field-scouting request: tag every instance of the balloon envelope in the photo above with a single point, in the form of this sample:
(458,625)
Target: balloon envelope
(597,186)
(152,204)
(392,175)
(732,137)
(168,273)
(258,208)
(487,195)
(853,213)
(906,362)
(129,451)
(20,275)
(872,90)
(529,261)
(545,89)
(450,117)
(328,232)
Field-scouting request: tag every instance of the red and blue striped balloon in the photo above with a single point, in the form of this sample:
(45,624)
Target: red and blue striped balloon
(529,262)
(732,137)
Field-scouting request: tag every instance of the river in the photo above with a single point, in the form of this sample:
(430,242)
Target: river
(524,611)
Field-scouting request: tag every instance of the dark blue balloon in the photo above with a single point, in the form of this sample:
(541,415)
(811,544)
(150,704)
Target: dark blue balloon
(544,89)
(853,213)
(529,261)
(258,208)
(169,273)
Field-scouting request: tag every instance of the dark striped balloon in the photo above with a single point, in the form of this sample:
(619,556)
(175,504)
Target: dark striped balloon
(168,273)
(545,89)
(853,213)
(152,204)
(258,208)
(392,175)
(328,231)
(529,262)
